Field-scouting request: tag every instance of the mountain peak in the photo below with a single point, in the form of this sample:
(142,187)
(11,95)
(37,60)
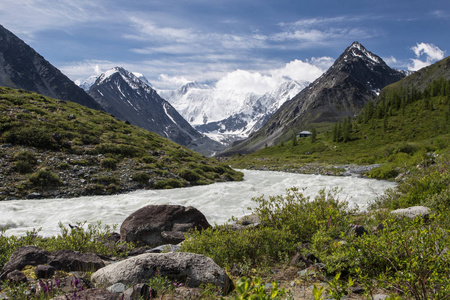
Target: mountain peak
(356,50)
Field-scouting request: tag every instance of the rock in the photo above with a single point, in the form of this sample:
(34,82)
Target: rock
(117,288)
(44,271)
(146,224)
(313,270)
(139,291)
(188,293)
(165,248)
(173,237)
(413,212)
(380,297)
(16,276)
(249,220)
(358,230)
(24,256)
(91,294)
(139,251)
(34,196)
(357,290)
(187,268)
(69,260)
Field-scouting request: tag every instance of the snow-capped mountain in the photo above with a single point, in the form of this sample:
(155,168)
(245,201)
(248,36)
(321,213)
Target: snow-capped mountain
(129,98)
(343,90)
(228,115)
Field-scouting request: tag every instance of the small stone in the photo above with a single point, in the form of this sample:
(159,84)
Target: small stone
(117,288)
(34,196)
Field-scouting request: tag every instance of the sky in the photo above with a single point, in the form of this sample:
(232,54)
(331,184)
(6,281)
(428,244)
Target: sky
(250,45)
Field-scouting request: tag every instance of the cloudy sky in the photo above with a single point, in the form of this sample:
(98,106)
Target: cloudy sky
(244,44)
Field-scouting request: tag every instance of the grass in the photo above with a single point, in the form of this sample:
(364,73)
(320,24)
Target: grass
(51,129)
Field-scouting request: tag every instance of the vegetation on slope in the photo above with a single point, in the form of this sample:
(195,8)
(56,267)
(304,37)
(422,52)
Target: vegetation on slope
(405,128)
(58,148)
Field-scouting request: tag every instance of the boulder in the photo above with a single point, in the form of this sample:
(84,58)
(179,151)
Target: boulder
(68,260)
(190,269)
(24,256)
(138,291)
(44,271)
(413,212)
(16,276)
(145,225)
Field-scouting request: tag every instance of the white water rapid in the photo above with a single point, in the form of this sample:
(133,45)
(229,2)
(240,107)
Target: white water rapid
(218,201)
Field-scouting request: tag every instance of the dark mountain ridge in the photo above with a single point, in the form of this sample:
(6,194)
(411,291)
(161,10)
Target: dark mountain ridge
(23,68)
(355,78)
(128,98)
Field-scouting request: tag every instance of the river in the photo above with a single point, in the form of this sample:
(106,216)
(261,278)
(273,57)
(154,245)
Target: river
(217,201)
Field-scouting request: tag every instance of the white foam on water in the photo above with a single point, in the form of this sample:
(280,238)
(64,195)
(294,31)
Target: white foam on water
(217,201)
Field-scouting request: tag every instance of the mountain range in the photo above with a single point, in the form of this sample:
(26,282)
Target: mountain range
(129,97)
(125,95)
(220,117)
(355,78)
(228,115)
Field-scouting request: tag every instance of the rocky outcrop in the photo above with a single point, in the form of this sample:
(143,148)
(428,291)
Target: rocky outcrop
(66,260)
(155,225)
(190,269)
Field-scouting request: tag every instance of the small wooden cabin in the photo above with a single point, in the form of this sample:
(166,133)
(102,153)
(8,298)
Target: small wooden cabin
(303,134)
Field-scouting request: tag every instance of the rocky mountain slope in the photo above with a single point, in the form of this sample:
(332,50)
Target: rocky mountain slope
(228,115)
(23,68)
(53,148)
(343,90)
(130,98)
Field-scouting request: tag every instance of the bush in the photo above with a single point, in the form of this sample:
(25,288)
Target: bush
(141,177)
(408,256)
(227,247)
(108,163)
(24,161)
(44,177)
(31,136)
(302,216)
(168,184)
(189,175)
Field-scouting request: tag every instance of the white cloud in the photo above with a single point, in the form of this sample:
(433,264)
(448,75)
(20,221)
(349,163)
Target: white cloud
(245,81)
(426,54)
(166,81)
(391,60)
(264,81)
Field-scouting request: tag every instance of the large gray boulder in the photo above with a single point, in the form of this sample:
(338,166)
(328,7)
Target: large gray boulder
(155,225)
(190,269)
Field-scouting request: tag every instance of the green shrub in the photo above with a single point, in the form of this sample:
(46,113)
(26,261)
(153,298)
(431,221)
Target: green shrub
(108,163)
(168,184)
(118,149)
(302,216)
(409,257)
(386,171)
(189,175)
(31,136)
(107,180)
(247,288)
(24,161)
(44,177)
(227,247)
(149,159)
(141,177)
